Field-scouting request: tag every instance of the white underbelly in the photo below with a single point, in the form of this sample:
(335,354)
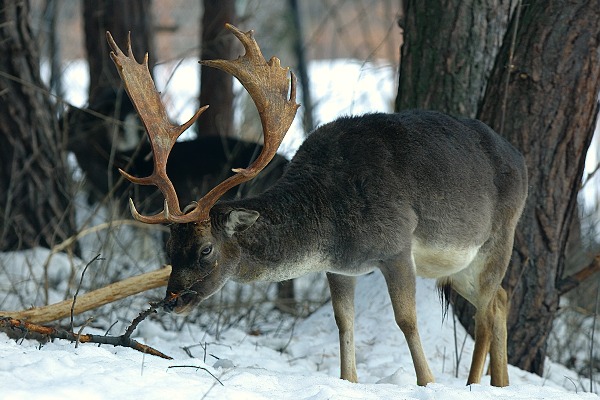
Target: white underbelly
(438,261)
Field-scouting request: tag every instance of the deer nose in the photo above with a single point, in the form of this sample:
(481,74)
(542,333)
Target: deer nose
(179,302)
(169,305)
(172,300)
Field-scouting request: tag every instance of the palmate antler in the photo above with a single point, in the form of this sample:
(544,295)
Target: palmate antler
(266,82)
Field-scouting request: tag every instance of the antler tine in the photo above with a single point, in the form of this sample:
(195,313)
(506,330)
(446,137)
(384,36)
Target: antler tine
(161,132)
(268,85)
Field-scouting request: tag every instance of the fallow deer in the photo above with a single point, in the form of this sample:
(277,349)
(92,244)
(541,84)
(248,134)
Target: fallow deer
(412,193)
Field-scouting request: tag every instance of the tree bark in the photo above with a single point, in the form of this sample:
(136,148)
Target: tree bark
(547,110)
(448,52)
(35,186)
(120,18)
(216,87)
(544,101)
(301,65)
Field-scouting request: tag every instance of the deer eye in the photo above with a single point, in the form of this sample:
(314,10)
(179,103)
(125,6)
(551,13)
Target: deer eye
(207,250)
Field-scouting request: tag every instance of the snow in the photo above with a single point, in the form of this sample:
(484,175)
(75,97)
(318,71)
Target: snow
(281,357)
(286,364)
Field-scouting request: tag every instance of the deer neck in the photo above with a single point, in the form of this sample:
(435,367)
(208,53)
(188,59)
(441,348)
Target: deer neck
(285,242)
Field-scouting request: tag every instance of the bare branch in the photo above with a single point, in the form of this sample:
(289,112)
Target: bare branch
(589,176)
(55,333)
(197,368)
(572,281)
(144,314)
(72,311)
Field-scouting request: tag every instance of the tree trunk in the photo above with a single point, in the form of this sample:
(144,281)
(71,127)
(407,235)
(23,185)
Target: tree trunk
(216,87)
(547,110)
(545,102)
(448,52)
(99,139)
(35,189)
(302,67)
(119,17)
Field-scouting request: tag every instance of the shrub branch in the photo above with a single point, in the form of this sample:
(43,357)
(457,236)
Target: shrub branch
(572,281)
(124,340)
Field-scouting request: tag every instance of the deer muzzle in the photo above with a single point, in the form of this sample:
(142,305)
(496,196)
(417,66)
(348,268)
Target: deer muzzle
(181,303)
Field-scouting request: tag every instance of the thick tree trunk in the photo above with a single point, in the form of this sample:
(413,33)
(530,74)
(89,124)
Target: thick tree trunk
(302,66)
(545,102)
(119,17)
(35,190)
(547,110)
(216,87)
(99,139)
(448,52)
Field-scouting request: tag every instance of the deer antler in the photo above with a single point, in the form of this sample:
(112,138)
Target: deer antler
(163,135)
(266,82)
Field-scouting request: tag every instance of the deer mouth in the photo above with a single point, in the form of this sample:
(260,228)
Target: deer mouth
(181,303)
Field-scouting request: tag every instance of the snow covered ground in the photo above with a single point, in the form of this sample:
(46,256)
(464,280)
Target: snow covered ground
(298,363)
(292,359)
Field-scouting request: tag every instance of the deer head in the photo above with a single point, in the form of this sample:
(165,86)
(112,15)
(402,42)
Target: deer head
(193,243)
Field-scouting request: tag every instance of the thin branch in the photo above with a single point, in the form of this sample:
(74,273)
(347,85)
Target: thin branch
(96,228)
(79,287)
(510,65)
(55,333)
(572,281)
(151,310)
(197,368)
(86,323)
(123,340)
(590,176)
(591,368)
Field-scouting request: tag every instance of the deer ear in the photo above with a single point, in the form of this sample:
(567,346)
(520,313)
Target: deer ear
(239,219)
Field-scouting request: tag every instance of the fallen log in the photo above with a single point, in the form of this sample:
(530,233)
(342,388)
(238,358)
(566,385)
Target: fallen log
(94,299)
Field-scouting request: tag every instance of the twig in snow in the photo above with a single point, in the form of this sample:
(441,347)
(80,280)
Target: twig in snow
(592,340)
(197,367)
(79,287)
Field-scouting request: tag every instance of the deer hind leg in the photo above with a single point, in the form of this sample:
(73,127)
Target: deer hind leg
(490,337)
(342,299)
(483,290)
(401,282)
(498,351)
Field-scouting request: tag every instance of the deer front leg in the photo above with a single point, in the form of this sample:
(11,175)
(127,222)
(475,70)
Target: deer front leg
(401,281)
(342,299)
